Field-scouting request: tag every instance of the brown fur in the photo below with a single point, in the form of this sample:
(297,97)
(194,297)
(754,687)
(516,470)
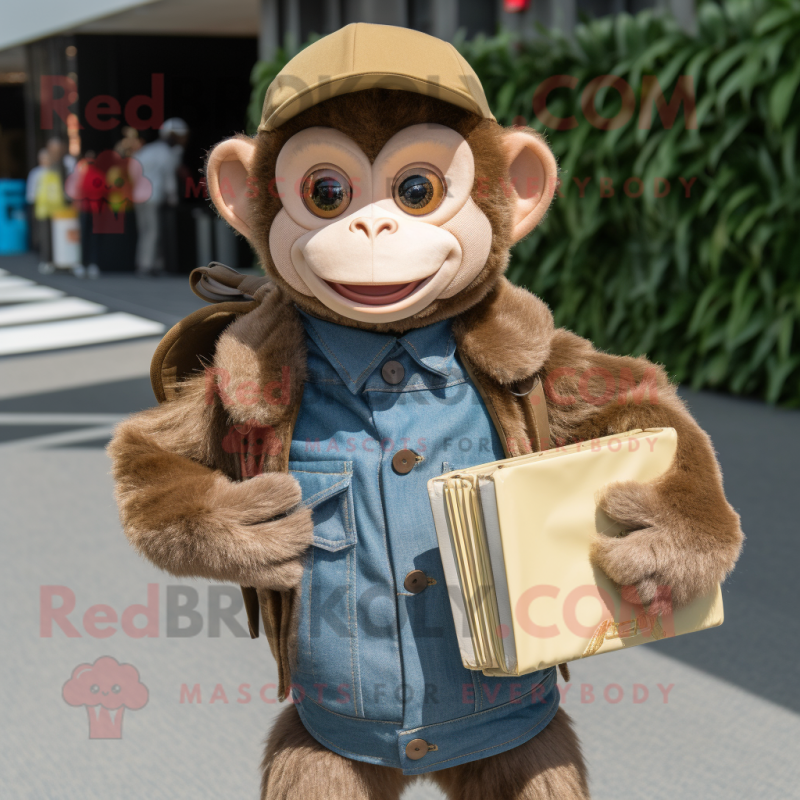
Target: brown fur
(508,335)
(371,118)
(192,520)
(548,767)
(685,535)
(297,766)
(251,356)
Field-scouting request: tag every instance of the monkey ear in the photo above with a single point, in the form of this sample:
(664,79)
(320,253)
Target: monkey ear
(533,172)
(227,169)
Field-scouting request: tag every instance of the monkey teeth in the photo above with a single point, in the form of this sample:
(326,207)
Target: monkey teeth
(374,294)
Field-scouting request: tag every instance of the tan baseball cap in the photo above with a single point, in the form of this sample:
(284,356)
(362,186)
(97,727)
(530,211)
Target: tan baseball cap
(365,56)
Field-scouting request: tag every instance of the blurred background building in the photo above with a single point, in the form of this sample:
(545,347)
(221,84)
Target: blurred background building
(207,49)
(193,59)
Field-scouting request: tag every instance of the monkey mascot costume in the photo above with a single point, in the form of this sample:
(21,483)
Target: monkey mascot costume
(303,415)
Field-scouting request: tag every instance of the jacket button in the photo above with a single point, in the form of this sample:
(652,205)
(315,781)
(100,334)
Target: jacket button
(393,372)
(404,461)
(416,581)
(416,749)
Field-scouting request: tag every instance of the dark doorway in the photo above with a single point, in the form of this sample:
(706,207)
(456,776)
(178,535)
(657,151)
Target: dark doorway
(13,162)
(206,82)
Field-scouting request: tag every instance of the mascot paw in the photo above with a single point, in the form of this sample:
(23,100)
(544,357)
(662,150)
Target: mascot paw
(267,529)
(287,574)
(646,560)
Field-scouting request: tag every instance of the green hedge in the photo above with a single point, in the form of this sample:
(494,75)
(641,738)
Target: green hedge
(709,284)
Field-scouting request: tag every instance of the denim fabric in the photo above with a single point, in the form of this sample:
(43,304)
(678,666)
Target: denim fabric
(377,665)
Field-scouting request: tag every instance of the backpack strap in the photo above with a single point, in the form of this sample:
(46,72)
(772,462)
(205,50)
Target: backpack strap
(189,346)
(218,283)
(531,392)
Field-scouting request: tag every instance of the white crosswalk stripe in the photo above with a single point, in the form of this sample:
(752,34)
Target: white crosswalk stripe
(28,294)
(23,313)
(13,281)
(35,318)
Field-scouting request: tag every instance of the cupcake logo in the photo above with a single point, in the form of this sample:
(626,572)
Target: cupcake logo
(106,688)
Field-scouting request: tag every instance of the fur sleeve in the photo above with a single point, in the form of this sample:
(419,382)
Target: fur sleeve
(687,535)
(192,520)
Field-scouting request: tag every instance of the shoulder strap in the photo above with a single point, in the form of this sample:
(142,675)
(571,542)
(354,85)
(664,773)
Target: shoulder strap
(531,392)
(539,406)
(218,283)
(188,346)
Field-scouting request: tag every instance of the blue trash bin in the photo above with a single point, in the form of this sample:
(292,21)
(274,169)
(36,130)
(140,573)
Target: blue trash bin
(13,222)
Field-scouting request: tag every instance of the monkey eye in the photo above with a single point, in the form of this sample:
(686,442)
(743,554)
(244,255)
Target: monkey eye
(418,190)
(326,192)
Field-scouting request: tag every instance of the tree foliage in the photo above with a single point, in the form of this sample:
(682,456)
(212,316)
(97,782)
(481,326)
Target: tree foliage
(695,258)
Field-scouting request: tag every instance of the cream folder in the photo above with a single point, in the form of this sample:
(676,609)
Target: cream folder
(515,537)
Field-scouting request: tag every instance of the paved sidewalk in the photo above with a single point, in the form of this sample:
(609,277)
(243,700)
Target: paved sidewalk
(729,727)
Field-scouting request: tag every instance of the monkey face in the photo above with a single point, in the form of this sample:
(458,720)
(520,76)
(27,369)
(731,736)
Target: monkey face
(384,209)
(378,241)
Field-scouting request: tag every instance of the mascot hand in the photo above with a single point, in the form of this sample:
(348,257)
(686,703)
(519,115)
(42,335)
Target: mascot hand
(666,557)
(263,516)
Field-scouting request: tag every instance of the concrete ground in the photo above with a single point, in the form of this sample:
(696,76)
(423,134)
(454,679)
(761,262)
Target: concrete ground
(718,713)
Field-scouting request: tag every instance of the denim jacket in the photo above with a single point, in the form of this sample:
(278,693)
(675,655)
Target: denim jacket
(377,665)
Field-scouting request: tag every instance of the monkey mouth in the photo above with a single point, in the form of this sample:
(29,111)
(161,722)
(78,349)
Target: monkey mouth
(374,294)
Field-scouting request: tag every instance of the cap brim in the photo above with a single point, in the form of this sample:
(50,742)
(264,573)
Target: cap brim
(310,96)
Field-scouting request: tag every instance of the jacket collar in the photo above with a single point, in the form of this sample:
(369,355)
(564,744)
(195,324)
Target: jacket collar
(355,354)
(506,337)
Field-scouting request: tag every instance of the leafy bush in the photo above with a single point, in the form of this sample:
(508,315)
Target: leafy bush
(707,284)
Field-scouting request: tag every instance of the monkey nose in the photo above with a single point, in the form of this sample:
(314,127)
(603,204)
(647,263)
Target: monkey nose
(372,227)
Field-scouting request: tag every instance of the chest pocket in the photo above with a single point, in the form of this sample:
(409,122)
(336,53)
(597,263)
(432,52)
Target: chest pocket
(327,636)
(327,489)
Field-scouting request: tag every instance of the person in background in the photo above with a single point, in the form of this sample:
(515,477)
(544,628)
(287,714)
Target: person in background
(31,185)
(130,143)
(48,199)
(60,159)
(87,185)
(157,192)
